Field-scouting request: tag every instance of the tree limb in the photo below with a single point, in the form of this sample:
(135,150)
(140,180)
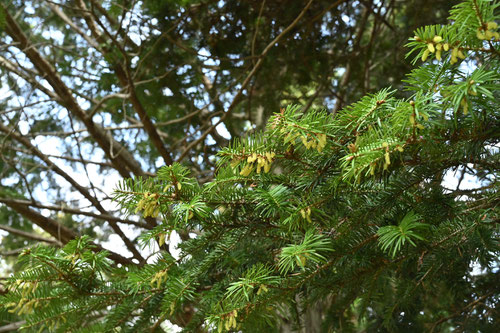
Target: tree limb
(106,217)
(123,161)
(60,232)
(29,235)
(25,142)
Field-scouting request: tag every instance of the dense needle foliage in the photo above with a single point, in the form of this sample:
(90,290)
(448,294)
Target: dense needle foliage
(333,223)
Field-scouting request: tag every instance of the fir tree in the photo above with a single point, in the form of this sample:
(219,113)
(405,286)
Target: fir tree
(348,213)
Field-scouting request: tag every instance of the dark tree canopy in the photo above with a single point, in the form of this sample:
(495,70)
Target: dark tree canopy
(118,89)
(266,176)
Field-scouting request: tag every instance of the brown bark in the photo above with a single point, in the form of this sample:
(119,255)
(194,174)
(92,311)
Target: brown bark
(25,142)
(74,211)
(122,160)
(127,83)
(28,235)
(58,231)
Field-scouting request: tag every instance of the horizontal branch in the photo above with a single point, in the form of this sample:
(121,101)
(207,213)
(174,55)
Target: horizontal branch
(29,235)
(67,158)
(63,209)
(59,231)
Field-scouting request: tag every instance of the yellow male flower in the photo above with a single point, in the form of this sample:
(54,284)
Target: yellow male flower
(437,39)
(430,47)
(425,55)
(488,31)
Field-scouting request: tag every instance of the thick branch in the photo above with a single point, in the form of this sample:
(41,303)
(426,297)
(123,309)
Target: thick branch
(28,235)
(55,229)
(122,160)
(106,217)
(25,142)
(12,326)
(58,231)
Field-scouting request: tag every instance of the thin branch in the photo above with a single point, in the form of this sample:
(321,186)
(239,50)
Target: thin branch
(459,312)
(254,39)
(55,8)
(28,77)
(245,83)
(126,80)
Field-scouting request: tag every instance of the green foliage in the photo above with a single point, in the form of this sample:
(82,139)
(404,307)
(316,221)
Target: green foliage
(392,238)
(315,211)
(258,277)
(300,254)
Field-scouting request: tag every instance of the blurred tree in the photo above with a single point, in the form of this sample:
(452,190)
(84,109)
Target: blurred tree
(95,91)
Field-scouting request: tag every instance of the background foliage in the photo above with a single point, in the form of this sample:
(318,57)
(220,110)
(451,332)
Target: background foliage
(327,220)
